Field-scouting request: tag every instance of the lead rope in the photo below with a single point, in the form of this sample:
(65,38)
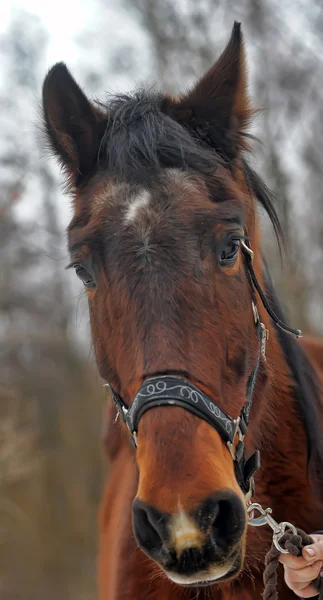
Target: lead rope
(286,539)
(294,544)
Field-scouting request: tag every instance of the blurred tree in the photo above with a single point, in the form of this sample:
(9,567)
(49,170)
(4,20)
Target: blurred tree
(50,402)
(26,180)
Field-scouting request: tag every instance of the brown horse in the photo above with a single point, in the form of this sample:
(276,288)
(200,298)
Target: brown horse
(165,217)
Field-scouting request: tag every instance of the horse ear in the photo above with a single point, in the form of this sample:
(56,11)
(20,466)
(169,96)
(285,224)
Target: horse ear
(74,126)
(218,107)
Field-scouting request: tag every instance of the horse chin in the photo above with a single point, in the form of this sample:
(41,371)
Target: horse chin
(215,574)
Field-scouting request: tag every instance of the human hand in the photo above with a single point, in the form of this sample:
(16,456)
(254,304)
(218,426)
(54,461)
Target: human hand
(302,570)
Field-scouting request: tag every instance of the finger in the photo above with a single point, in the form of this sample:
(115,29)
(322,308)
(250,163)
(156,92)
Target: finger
(305,575)
(295,586)
(317,537)
(301,589)
(294,562)
(308,592)
(314,551)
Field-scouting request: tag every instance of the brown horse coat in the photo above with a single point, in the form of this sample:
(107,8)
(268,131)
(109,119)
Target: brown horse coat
(163,196)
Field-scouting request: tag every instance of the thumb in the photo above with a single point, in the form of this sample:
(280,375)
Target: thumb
(314,552)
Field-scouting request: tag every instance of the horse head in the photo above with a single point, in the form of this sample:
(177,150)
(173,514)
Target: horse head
(164,211)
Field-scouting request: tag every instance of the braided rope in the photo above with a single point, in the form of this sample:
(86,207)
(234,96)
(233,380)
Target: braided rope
(294,543)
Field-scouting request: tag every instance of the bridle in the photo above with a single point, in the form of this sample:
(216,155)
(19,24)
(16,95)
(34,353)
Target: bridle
(170,390)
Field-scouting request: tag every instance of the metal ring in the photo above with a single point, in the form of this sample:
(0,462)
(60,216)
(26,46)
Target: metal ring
(277,536)
(247,249)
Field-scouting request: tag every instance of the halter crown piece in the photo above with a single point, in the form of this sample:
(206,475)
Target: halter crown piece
(171,390)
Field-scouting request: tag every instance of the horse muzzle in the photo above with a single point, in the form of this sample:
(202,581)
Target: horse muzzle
(197,547)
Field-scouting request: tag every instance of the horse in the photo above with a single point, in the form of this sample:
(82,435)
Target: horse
(189,334)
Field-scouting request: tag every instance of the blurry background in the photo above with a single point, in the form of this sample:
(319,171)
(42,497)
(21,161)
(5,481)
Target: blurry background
(51,463)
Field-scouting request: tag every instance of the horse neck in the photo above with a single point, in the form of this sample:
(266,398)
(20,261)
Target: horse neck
(280,434)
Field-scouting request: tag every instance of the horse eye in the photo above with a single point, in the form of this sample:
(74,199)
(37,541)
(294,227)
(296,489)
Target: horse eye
(84,276)
(229,253)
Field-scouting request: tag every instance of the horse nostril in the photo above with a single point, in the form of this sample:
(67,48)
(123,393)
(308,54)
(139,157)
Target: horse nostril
(228,522)
(149,527)
(220,531)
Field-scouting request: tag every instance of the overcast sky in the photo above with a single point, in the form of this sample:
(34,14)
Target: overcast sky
(62,19)
(65,21)
(72,27)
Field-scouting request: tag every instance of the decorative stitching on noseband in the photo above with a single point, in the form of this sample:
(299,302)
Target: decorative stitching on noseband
(165,389)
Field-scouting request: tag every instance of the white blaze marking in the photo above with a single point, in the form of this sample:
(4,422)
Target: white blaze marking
(141,201)
(185,533)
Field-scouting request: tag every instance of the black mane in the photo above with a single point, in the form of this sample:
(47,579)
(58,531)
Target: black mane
(140,140)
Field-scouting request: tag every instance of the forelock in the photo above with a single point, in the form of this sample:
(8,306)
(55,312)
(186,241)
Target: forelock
(140,140)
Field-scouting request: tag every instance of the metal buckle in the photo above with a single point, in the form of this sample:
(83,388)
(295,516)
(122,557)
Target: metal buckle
(255,312)
(251,491)
(264,330)
(264,338)
(120,407)
(236,432)
(265,518)
(135,438)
